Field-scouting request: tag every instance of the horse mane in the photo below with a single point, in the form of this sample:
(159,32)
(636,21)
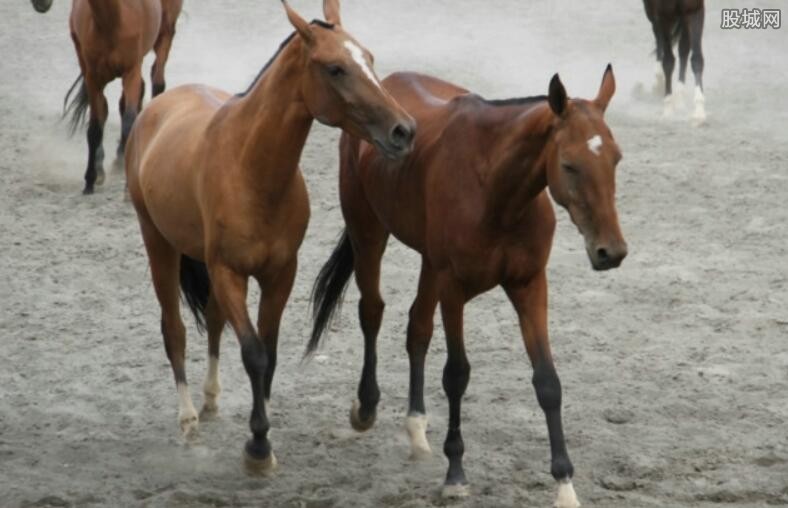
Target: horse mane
(282,46)
(517,101)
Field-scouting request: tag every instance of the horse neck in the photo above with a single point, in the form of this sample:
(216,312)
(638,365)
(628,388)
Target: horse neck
(519,165)
(106,14)
(273,122)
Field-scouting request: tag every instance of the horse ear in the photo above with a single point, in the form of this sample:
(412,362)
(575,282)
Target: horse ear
(606,89)
(557,97)
(331,12)
(300,24)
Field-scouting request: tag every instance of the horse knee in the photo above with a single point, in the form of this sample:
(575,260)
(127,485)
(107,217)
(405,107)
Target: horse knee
(548,388)
(456,375)
(254,357)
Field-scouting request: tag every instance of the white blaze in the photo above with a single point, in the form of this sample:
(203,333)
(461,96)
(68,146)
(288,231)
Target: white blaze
(358,57)
(594,144)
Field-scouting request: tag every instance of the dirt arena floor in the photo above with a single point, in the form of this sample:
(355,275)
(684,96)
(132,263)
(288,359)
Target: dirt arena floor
(674,367)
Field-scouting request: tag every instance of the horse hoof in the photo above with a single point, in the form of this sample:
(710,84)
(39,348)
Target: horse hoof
(209,411)
(416,425)
(566,496)
(119,163)
(456,491)
(260,467)
(88,190)
(100,177)
(189,424)
(357,422)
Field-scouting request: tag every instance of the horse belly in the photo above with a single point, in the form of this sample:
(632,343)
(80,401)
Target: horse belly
(167,179)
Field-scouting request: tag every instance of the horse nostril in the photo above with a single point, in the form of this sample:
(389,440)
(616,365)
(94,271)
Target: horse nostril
(401,135)
(602,254)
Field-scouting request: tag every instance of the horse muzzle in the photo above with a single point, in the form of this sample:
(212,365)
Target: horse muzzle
(605,256)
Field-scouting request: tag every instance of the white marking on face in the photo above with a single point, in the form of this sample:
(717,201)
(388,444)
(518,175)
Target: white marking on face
(358,57)
(595,144)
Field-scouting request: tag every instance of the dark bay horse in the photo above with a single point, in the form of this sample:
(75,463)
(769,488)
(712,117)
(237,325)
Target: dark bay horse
(214,179)
(682,20)
(111,38)
(472,200)
(42,6)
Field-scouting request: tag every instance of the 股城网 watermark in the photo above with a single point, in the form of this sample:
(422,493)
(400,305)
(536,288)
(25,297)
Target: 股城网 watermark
(751,19)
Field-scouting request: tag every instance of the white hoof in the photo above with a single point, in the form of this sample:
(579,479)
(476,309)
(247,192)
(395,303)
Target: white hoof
(669,106)
(260,467)
(659,80)
(455,491)
(566,495)
(187,415)
(679,93)
(416,425)
(699,115)
(189,422)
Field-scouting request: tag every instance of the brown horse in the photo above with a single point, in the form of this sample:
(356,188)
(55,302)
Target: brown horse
(111,37)
(215,182)
(471,198)
(682,20)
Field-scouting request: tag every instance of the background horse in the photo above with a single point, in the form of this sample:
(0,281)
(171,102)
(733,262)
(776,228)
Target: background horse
(111,38)
(471,199)
(682,20)
(220,198)
(41,5)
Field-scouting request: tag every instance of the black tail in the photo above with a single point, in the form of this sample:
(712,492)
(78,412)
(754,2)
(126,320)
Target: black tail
(77,107)
(329,289)
(196,286)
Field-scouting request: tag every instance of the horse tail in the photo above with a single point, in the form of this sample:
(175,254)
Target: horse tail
(196,288)
(76,106)
(329,289)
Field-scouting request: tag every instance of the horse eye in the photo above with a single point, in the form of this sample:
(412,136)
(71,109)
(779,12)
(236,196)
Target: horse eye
(335,71)
(569,169)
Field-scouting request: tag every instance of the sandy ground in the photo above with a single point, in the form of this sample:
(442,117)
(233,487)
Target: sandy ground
(686,343)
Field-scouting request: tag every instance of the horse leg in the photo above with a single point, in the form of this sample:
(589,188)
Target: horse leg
(668,63)
(162,49)
(368,252)
(275,291)
(696,35)
(94,174)
(230,289)
(165,267)
(530,302)
(132,86)
(456,374)
(214,324)
(659,75)
(684,47)
(420,327)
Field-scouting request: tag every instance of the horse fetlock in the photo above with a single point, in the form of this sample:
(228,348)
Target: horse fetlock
(361,418)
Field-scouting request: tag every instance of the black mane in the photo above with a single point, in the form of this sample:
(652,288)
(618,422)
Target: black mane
(284,43)
(518,101)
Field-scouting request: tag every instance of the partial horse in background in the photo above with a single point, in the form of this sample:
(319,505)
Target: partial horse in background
(682,21)
(41,6)
(111,38)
